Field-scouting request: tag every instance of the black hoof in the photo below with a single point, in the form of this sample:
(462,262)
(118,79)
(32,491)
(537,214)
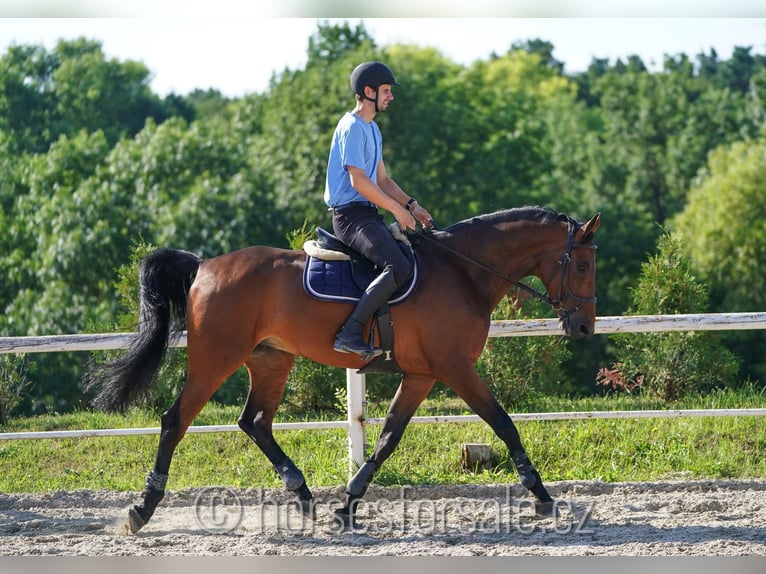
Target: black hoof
(308,508)
(345,519)
(135,521)
(544,508)
(306,501)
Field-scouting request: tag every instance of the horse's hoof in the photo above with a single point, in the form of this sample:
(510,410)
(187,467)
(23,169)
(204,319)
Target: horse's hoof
(135,521)
(345,519)
(308,508)
(544,508)
(306,501)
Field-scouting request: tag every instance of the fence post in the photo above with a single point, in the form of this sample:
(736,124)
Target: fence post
(357,406)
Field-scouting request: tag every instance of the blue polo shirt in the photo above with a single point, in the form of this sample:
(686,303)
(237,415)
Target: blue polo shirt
(355,143)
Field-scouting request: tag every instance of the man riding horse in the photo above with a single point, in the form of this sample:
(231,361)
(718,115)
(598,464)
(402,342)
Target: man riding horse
(357,185)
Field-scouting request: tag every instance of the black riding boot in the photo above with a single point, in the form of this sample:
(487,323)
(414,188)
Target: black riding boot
(349,339)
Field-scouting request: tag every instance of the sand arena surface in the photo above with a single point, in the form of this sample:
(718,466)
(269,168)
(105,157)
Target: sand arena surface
(699,518)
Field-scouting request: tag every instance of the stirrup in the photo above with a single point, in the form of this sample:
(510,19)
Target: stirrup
(366,352)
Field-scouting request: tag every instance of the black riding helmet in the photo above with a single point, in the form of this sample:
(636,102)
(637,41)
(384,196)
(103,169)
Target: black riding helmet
(373,74)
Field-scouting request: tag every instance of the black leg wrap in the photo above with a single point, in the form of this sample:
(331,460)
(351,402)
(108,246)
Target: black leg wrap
(156,481)
(358,483)
(345,517)
(291,477)
(530,479)
(527,473)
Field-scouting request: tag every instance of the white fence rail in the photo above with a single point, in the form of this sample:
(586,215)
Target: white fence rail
(356,421)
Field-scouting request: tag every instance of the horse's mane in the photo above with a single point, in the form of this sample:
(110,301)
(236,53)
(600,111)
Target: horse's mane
(542,215)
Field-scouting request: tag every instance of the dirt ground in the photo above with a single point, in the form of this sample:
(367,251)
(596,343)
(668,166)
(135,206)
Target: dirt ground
(698,518)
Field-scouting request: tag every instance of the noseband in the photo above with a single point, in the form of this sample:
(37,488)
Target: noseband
(565,291)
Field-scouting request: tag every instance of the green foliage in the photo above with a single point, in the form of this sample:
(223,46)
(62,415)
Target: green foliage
(44,95)
(724,223)
(297,237)
(14,384)
(333,41)
(128,288)
(313,388)
(671,364)
(521,369)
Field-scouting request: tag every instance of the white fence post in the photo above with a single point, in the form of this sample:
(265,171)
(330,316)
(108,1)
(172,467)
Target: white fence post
(357,405)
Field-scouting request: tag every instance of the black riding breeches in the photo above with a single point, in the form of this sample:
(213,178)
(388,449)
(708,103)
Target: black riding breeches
(361,227)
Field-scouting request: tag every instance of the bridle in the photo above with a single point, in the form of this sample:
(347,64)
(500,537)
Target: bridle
(565,291)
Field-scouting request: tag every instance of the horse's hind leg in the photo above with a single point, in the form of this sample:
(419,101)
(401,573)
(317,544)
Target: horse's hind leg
(268,369)
(408,398)
(174,423)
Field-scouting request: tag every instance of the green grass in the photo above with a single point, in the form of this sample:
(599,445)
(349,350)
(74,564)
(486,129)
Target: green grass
(610,450)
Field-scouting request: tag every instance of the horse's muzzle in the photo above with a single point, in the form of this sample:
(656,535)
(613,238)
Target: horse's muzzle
(577,327)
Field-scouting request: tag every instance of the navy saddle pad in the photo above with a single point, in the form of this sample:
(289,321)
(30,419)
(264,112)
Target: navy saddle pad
(332,280)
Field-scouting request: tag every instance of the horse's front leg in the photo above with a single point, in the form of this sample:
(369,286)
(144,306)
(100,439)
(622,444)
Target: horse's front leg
(475,393)
(409,395)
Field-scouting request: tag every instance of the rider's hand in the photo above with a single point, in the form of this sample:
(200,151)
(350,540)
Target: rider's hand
(423,217)
(405,219)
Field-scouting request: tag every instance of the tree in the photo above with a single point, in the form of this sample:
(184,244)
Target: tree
(470,138)
(724,226)
(709,66)
(542,48)
(724,222)
(44,95)
(738,71)
(670,365)
(48,231)
(27,101)
(333,41)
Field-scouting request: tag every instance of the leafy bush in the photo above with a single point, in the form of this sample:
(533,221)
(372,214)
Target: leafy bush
(670,364)
(13,384)
(313,388)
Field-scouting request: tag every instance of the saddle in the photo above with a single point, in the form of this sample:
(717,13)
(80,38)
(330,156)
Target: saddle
(336,272)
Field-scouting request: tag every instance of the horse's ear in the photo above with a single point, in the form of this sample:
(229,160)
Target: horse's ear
(589,229)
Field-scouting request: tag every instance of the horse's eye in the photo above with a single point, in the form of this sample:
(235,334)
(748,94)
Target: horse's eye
(582,267)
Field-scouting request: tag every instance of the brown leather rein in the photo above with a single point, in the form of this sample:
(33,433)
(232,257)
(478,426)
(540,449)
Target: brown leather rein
(565,292)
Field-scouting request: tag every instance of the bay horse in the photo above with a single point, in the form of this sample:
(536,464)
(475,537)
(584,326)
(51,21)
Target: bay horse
(248,307)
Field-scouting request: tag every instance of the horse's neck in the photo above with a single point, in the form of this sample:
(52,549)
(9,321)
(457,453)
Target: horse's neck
(513,251)
(533,244)
(496,258)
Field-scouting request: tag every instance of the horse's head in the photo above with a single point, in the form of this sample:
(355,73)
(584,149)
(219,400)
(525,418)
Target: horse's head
(571,284)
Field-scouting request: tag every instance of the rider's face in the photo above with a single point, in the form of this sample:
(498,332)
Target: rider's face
(385,96)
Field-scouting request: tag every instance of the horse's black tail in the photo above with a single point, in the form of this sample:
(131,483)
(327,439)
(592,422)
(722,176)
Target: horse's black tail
(166,276)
